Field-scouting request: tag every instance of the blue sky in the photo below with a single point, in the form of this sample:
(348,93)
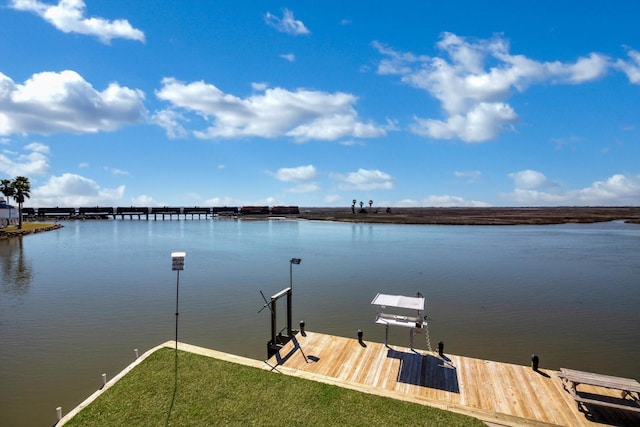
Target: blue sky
(406,103)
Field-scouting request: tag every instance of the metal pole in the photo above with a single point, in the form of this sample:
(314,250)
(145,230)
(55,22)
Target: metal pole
(177,295)
(273,321)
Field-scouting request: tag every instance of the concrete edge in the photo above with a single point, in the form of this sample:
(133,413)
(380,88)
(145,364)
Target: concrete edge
(110,383)
(168,344)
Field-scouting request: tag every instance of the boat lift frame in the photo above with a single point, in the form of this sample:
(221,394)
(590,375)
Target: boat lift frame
(277,339)
(414,323)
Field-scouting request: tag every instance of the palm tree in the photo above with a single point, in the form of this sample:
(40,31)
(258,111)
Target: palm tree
(361,205)
(353,206)
(21,191)
(7,189)
(370,203)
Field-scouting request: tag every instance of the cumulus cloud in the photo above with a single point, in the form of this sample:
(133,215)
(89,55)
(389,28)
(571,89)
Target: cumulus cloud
(302,114)
(528,179)
(473,79)
(364,179)
(33,161)
(302,176)
(482,123)
(632,67)
(74,190)
(297,174)
(287,24)
(170,121)
(51,102)
(617,190)
(68,16)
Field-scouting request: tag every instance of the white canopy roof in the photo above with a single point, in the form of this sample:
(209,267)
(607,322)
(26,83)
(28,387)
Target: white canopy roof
(414,303)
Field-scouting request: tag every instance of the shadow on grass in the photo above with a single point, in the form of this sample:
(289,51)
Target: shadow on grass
(175,388)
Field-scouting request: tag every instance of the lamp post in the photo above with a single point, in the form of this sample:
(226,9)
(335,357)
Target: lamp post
(177,264)
(292,261)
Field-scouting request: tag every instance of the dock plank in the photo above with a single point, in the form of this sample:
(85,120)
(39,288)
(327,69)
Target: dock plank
(496,392)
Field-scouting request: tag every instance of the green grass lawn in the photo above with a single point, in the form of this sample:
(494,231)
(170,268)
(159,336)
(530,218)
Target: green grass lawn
(211,392)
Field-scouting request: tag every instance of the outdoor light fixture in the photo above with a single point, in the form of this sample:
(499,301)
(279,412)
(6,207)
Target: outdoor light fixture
(177,264)
(292,261)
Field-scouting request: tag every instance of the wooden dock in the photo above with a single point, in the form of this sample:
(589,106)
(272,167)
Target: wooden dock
(495,392)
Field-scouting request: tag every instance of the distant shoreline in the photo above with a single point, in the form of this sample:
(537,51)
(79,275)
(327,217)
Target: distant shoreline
(418,216)
(27,228)
(474,216)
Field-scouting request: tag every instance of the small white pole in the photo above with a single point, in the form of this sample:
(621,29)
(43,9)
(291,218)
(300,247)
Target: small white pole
(104,380)
(59,413)
(135,350)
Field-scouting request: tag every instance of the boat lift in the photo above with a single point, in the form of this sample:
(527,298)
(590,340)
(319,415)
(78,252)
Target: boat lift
(277,339)
(406,305)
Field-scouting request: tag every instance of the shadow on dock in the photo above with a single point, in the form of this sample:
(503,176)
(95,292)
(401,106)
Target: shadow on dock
(426,370)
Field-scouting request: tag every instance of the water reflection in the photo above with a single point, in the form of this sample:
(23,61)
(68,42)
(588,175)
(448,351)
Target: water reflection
(16,270)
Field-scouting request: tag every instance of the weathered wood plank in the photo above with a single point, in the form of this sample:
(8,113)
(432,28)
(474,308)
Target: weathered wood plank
(608,381)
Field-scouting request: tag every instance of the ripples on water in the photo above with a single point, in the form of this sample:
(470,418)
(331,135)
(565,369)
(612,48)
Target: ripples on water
(75,302)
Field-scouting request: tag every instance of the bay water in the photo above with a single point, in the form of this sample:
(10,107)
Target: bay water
(76,302)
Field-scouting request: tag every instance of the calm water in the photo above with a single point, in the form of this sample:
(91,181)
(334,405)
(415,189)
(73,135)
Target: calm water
(76,302)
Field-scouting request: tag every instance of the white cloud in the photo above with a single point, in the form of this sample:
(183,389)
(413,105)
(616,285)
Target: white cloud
(51,102)
(528,179)
(473,79)
(364,179)
(447,201)
(74,190)
(617,190)
(632,67)
(470,176)
(259,86)
(480,124)
(583,70)
(297,174)
(34,161)
(302,176)
(68,16)
(169,120)
(302,115)
(288,56)
(37,147)
(287,24)
(116,171)
(308,187)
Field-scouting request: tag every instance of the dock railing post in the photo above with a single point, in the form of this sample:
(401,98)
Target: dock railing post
(273,321)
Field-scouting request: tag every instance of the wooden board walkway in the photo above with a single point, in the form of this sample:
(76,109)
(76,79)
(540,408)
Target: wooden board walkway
(494,392)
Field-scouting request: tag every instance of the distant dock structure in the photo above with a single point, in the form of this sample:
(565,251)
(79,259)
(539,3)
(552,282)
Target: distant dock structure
(163,213)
